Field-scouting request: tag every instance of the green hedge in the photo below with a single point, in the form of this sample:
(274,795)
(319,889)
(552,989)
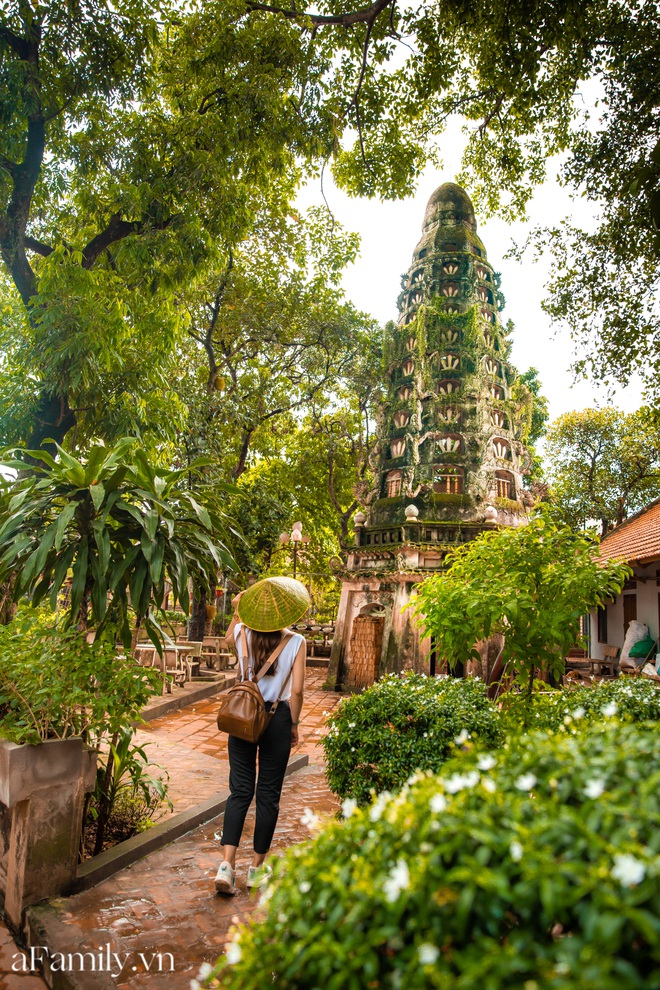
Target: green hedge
(629,699)
(401,724)
(535,868)
(410,722)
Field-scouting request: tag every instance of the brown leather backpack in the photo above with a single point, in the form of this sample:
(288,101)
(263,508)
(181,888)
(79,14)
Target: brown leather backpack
(242,711)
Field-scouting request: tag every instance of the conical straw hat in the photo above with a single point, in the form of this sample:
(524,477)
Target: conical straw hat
(273,603)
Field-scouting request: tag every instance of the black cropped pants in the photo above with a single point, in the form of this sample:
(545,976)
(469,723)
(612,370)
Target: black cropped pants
(273,750)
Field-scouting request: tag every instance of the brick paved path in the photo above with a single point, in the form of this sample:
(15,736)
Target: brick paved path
(188,745)
(9,979)
(166,902)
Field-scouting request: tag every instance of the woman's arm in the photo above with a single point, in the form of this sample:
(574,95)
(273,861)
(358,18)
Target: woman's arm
(297,690)
(229,635)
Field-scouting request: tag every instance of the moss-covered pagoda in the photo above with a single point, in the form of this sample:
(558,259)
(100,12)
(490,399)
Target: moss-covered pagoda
(450,457)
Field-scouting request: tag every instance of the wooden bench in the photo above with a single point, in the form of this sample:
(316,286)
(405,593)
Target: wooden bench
(586,668)
(217,653)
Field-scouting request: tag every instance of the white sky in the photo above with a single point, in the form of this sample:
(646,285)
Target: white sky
(390,231)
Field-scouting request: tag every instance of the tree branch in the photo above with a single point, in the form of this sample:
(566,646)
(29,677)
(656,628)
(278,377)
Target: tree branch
(15,42)
(214,309)
(8,165)
(117,230)
(38,246)
(366,15)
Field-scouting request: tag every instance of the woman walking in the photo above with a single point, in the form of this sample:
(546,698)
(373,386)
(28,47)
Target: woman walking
(258,629)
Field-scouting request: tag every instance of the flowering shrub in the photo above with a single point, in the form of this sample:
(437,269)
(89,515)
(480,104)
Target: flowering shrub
(534,867)
(404,723)
(629,699)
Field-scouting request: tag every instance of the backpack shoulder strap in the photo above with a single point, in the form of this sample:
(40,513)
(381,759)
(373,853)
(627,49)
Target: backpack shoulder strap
(273,657)
(284,683)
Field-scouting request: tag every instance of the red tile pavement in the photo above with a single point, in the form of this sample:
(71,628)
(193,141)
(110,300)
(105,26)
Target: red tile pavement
(14,967)
(166,903)
(188,745)
(162,915)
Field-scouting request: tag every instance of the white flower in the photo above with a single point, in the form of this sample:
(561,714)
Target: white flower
(309,819)
(594,788)
(195,985)
(349,807)
(267,893)
(609,710)
(578,713)
(233,953)
(461,780)
(378,806)
(516,851)
(438,803)
(525,781)
(204,970)
(398,879)
(351,725)
(428,954)
(304,887)
(486,762)
(489,785)
(628,870)
(462,737)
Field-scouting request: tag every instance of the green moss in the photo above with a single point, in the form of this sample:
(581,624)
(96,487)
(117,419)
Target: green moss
(508,504)
(382,503)
(449,499)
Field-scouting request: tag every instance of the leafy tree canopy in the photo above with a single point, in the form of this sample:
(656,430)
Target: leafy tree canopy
(140,145)
(603,464)
(272,336)
(118,185)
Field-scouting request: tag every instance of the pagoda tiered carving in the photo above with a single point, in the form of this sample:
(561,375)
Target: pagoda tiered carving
(450,458)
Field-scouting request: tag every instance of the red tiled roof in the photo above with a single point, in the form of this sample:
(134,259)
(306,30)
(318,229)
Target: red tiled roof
(637,539)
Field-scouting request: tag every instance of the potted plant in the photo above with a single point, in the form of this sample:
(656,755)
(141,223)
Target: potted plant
(59,697)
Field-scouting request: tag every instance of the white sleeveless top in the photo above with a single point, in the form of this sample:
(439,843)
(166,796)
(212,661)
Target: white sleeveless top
(270,685)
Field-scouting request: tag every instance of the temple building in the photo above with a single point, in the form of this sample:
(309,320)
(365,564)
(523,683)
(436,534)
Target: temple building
(449,459)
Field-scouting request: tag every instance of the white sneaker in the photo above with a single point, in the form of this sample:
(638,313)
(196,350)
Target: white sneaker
(258,876)
(225,879)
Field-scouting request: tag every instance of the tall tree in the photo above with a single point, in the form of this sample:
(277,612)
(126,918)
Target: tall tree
(120,179)
(272,336)
(603,464)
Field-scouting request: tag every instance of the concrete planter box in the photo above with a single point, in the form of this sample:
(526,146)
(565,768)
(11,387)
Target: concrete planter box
(42,790)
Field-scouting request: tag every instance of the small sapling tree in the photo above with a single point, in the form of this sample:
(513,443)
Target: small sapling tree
(530,584)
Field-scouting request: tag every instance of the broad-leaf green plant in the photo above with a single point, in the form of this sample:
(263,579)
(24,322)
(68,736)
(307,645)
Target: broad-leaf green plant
(119,524)
(124,774)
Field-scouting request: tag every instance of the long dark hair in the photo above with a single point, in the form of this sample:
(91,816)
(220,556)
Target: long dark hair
(262,645)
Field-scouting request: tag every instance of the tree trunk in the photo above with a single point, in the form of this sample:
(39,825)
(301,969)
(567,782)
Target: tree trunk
(7,604)
(198,616)
(53,420)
